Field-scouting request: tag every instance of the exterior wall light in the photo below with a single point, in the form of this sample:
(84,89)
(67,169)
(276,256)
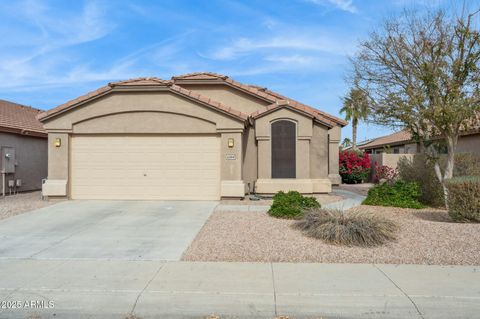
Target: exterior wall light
(231,143)
(58,142)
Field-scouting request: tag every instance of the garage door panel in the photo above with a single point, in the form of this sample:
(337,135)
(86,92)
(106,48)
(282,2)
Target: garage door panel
(138,174)
(139,193)
(145,167)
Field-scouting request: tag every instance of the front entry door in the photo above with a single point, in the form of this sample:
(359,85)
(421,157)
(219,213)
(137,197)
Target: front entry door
(284,149)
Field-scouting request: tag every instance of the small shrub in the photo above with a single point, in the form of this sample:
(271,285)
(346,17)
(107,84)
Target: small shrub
(347,228)
(466,164)
(464,198)
(401,194)
(384,173)
(354,166)
(291,205)
(421,170)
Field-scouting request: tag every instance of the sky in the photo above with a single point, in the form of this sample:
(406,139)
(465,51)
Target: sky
(54,51)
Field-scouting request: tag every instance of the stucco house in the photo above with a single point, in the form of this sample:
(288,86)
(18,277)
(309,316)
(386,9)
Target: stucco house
(23,148)
(402,143)
(196,136)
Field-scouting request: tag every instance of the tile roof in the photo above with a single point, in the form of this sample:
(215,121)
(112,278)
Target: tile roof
(141,82)
(309,108)
(292,105)
(21,119)
(262,93)
(144,82)
(199,76)
(395,138)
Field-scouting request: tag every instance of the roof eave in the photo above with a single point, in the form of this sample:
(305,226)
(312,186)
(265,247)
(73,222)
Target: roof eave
(47,115)
(271,110)
(140,88)
(24,132)
(366,147)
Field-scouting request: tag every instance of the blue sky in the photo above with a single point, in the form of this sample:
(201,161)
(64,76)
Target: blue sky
(54,51)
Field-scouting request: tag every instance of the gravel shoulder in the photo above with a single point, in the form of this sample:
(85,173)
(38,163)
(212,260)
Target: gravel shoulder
(21,203)
(426,236)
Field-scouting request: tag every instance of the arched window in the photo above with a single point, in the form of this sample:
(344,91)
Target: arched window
(284,149)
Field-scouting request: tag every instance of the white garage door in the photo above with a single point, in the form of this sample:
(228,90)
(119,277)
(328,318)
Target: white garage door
(145,167)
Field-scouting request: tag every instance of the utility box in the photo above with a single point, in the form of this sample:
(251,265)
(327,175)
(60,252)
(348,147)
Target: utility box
(7,160)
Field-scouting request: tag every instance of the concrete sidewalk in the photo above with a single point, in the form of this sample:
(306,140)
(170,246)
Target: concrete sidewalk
(351,200)
(153,289)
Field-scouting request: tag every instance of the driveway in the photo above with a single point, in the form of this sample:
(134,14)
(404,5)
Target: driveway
(105,230)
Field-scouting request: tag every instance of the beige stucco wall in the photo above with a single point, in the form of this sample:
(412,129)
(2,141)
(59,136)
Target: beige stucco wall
(249,171)
(469,144)
(146,123)
(334,136)
(229,96)
(319,152)
(31,159)
(310,176)
(127,102)
(58,156)
(387,159)
(263,135)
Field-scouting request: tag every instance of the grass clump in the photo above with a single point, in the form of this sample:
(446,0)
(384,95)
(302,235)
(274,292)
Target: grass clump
(400,194)
(464,198)
(291,205)
(347,228)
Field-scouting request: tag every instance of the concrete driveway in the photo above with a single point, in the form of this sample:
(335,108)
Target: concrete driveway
(101,230)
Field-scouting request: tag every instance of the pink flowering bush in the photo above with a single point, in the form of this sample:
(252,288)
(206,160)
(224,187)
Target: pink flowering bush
(354,166)
(384,173)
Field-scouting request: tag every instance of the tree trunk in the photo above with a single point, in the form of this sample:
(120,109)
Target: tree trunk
(421,147)
(354,133)
(448,173)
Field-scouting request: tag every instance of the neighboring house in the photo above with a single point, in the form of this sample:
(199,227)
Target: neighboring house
(196,136)
(388,150)
(23,143)
(402,143)
(396,143)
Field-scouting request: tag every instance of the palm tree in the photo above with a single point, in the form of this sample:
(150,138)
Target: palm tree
(355,107)
(346,142)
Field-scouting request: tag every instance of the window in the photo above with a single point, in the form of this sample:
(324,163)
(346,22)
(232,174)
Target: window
(284,149)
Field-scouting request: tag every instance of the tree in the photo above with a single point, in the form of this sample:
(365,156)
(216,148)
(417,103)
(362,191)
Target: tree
(355,107)
(422,73)
(346,143)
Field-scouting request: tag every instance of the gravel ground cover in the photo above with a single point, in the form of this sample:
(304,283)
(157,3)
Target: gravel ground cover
(322,199)
(21,203)
(425,236)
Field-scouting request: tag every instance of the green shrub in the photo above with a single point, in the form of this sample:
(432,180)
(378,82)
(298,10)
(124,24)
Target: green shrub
(421,170)
(347,228)
(464,198)
(291,205)
(400,194)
